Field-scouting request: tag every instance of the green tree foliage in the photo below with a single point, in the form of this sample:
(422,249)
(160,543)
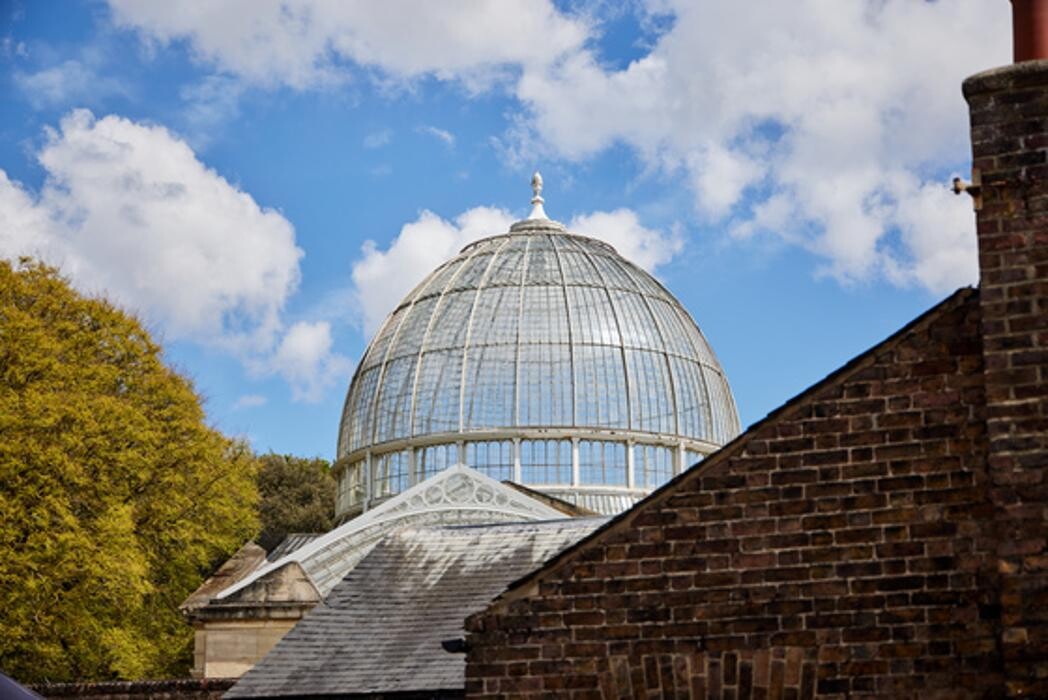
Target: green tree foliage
(296,495)
(115,495)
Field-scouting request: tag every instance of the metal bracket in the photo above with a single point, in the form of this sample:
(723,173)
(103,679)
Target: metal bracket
(974,188)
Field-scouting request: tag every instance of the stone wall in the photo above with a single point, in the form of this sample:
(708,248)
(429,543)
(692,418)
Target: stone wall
(1009,118)
(230,648)
(841,547)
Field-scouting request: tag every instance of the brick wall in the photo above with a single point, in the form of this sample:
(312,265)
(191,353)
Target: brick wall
(181,689)
(1009,118)
(840,547)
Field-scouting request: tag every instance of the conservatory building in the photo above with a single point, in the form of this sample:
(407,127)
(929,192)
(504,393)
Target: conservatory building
(535,377)
(538,356)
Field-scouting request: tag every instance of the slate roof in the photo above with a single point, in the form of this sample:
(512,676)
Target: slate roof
(457,495)
(380,629)
(293,541)
(246,560)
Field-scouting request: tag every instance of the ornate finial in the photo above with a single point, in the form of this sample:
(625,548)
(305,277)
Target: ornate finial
(537,212)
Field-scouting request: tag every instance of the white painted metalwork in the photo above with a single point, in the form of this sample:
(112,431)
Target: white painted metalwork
(456,496)
(537,212)
(524,345)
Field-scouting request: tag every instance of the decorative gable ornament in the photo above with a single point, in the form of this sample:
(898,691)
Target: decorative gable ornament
(455,496)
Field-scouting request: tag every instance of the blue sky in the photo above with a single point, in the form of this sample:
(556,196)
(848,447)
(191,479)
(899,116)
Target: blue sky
(261,183)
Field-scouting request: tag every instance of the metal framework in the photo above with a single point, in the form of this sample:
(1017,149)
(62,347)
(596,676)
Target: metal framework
(540,356)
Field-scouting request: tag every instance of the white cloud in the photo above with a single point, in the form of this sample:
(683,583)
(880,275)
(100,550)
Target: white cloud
(307,43)
(382,278)
(441,134)
(825,123)
(305,358)
(829,124)
(621,228)
(127,210)
(69,82)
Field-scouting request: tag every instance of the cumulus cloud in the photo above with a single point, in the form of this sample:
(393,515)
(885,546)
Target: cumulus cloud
(829,124)
(305,44)
(128,211)
(622,229)
(382,278)
(306,359)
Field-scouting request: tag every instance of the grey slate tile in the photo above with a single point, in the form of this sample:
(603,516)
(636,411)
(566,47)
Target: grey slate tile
(380,629)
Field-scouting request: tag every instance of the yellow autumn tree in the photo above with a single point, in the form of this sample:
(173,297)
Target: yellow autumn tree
(116,497)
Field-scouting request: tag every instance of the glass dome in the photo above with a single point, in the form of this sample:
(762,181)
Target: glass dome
(541,357)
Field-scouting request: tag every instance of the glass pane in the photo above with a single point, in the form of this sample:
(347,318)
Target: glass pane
(651,397)
(725,425)
(600,388)
(495,317)
(376,354)
(637,325)
(508,268)
(674,332)
(472,272)
(409,340)
(436,458)
(545,461)
(645,282)
(692,408)
(593,319)
(577,268)
(490,376)
(393,411)
(653,465)
(492,458)
(448,329)
(543,268)
(612,274)
(691,458)
(602,463)
(545,385)
(437,392)
(359,429)
(544,317)
(389,473)
(439,280)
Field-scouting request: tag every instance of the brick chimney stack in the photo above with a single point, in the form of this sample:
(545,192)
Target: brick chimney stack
(1009,130)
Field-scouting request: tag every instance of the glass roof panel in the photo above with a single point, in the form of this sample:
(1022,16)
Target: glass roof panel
(495,317)
(635,320)
(471,273)
(592,316)
(544,317)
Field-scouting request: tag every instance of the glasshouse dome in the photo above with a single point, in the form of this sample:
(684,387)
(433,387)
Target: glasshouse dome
(538,356)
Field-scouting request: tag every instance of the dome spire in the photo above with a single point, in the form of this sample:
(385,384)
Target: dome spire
(537,220)
(537,212)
